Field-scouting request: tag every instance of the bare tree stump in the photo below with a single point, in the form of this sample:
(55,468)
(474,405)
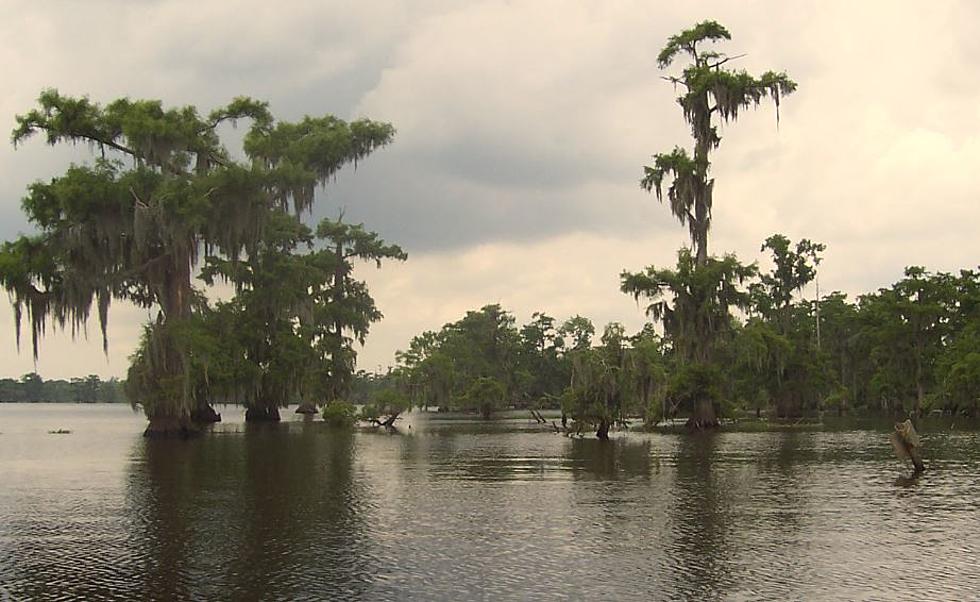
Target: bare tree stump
(907,445)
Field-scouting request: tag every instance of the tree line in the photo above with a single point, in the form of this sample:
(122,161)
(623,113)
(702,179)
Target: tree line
(31,388)
(725,338)
(165,211)
(911,348)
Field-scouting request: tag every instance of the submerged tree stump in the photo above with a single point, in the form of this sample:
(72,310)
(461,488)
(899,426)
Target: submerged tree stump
(168,427)
(908,446)
(262,414)
(307,407)
(205,414)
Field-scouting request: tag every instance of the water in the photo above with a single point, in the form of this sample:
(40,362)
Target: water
(465,510)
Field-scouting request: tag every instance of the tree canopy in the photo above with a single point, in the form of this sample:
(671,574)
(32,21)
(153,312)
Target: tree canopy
(161,193)
(709,91)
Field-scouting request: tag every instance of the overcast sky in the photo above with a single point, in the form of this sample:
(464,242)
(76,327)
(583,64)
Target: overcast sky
(523,127)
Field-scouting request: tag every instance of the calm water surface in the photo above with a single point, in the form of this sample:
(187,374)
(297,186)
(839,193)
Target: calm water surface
(466,510)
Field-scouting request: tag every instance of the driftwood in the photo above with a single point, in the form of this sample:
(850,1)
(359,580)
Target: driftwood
(388,423)
(908,446)
(538,417)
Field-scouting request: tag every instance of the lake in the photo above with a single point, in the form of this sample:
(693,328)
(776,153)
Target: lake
(451,508)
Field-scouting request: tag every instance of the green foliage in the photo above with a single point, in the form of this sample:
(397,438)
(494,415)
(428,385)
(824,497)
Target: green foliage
(162,194)
(289,331)
(624,376)
(31,388)
(692,382)
(339,413)
(486,395)
(692,301)
(905,349)
(392,401)
(440,368)
(576,333)
(708,89)
(792,270)
(687,41)
(388,404)
(958,371)
(369,413)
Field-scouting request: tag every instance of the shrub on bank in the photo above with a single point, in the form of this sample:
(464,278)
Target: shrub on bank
(339,413)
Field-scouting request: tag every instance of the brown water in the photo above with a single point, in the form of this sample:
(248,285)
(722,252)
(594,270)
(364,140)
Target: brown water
(466,510)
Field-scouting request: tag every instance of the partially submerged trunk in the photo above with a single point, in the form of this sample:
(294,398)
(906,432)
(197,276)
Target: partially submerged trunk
(789,405)
(907,445)
(161,375)
(704,416)
(307,407)
(388,422)
(205,414)
(603,431)
(164,427)
(262,413)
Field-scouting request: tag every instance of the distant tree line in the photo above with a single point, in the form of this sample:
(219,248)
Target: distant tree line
(910,348)
(31,388)
(165,199)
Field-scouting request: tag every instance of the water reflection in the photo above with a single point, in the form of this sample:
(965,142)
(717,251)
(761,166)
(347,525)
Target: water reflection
(268,515)
(700,545)
(616,459)
(480,511)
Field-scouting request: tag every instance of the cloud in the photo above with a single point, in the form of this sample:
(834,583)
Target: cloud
(523,127)
(567,275)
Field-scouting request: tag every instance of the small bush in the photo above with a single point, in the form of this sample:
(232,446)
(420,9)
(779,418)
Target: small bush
(369,413)
(391,401)
(339,413)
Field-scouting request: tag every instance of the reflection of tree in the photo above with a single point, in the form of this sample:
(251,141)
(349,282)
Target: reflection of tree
(699,548)
(161,488)
(788,495)
(615,459)
(273,514)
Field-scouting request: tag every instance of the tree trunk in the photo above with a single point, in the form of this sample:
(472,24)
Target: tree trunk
(262,413)
(907,445)
(164,427)
(338,369)
(788,406)
(307,407)
(701,122)
(704,416)
(205,414)
(175,415)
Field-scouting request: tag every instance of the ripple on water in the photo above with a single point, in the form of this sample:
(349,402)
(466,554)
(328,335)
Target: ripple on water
(470,510)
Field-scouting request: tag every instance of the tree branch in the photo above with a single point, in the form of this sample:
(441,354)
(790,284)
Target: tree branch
(109,143)
(675,80)
(725,60)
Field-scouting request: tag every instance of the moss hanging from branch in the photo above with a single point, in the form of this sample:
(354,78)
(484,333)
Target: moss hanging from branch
(708,89)
(163,189)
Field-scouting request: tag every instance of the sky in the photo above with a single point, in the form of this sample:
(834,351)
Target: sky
(522,131)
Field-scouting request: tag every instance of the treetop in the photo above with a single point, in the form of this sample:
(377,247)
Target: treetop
(687,41)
